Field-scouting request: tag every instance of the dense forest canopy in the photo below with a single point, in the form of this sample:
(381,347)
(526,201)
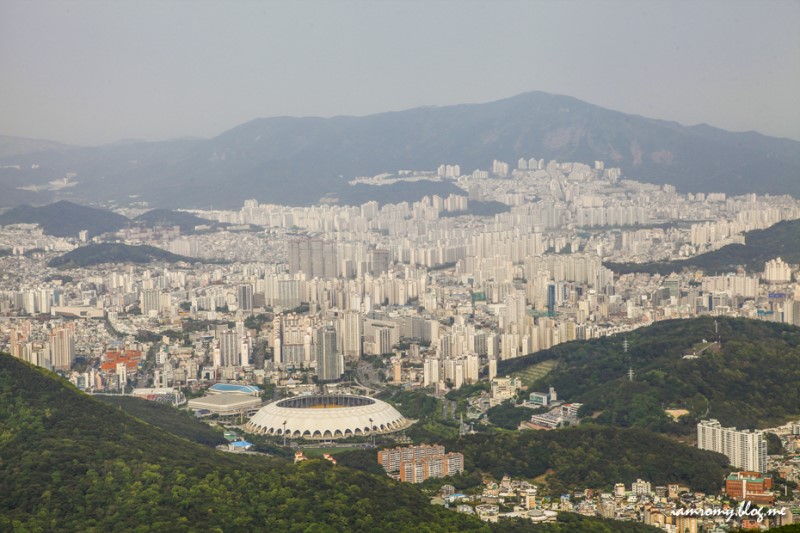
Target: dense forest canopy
(71,463)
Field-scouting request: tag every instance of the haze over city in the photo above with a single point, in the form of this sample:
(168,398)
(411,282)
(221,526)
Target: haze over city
(88,73)
(400,266)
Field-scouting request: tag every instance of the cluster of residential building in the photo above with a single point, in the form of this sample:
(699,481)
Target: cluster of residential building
(445,296)
(415,464)
(744,449)
(673,508)
(432,295)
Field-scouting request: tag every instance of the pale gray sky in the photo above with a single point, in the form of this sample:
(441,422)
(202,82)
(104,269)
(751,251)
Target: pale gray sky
(91,72)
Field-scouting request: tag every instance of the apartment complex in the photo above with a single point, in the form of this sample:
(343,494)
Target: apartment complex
(415,464)
(744,449)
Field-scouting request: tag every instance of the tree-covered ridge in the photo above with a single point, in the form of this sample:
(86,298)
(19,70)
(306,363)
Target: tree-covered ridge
(594,457)
(589,456)
(751,381)
(166,417)
(71,463)
(107,252)
(575,523)
(781,240)
(165,217)
(66,219)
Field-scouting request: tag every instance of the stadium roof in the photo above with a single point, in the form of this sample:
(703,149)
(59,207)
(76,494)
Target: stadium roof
(220,388)
(225,404)
(324,417)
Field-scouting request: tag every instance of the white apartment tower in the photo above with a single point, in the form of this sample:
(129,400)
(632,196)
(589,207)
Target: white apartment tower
(62,347)
(744,449)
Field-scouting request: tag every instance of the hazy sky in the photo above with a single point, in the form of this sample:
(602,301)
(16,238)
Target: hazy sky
(92,72)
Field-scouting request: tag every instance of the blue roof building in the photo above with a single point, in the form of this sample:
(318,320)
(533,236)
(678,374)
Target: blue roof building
(232,388)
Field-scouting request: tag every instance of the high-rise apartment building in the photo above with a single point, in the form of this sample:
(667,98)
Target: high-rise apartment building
(330,362)
(314,257)
(62,347)
(292,340)
(744,449)
(352,330)
(229,348)
(150,300)
(244,297)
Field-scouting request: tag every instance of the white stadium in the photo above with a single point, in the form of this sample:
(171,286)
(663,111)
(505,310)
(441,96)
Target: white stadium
(327,417)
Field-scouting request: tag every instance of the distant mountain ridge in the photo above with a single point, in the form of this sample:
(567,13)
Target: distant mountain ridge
(11,146)
(300,160)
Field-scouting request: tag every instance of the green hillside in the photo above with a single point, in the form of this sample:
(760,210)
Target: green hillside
(178,422)
(66,219)
(750,382)
(97,254)
(594,457)
(589,456)
(165,218)
(575,523)
(781,240)
(71,463)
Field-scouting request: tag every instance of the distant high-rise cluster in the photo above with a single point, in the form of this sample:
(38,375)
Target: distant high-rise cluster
(313,256)
(776,270)
(55,352)
(442,289)
(500,168)
(448,171)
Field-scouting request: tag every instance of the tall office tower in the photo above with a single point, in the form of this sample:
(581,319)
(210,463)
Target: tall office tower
(551,299)
(150,300)
(229,348)
(314,257)
(62,347)
(330,363)
(244,297)
(352,331)
(745,449)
